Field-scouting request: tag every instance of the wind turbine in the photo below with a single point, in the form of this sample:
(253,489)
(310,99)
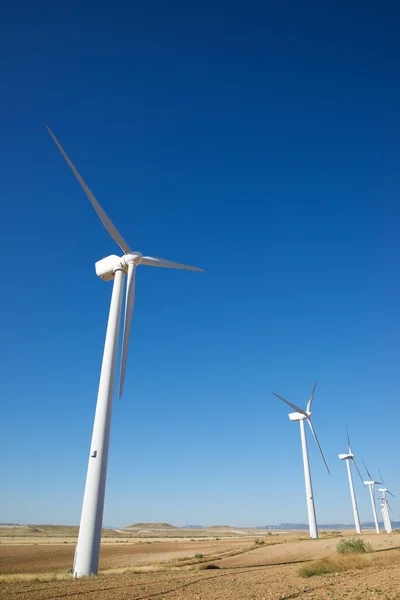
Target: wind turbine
(370,483)
(350,457)
(110,268)
(385,506)
(301,416)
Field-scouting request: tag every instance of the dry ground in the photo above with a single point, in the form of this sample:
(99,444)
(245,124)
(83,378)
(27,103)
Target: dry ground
(167,570)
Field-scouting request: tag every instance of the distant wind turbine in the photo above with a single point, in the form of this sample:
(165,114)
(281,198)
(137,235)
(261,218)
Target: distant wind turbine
(301,416)
(370,483)
(350,457)
(111,268)
(385,506)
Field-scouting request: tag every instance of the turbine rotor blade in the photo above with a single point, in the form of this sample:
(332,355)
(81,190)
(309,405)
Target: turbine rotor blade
(129,302)
(348,440)
(296,408)
(369,474)
(390,508)
(380,475)
(152,261)
(311,398)
(358,471)
(318,444)
(108,224)
(389,492)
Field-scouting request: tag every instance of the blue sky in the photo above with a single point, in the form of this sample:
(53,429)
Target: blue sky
(257,141)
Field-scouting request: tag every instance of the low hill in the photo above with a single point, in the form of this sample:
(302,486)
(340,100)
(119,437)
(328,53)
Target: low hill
(47,531)
(151,526)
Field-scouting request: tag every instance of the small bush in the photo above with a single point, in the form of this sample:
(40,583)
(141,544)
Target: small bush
(210,566)
(198,556)
(353,545)
(259,542)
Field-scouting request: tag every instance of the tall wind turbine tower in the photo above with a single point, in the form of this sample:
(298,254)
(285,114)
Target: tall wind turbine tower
(350,457)
(370,484)
(112,268)
(385,506)
(385,512)
(301,416)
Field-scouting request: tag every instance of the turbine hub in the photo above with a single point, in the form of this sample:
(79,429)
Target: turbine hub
(135,257)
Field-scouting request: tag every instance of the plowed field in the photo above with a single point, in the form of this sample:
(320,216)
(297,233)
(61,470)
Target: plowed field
(168,570)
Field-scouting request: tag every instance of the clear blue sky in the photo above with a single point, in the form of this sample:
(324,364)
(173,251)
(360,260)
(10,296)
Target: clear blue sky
(257,140)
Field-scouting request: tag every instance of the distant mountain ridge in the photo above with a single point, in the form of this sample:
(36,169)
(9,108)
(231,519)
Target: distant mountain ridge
(289,526)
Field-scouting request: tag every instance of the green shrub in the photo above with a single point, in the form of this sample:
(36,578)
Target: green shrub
(353,545)
(259,542)
(198,556)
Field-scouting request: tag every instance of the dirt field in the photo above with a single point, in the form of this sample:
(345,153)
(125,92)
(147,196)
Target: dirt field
(167,569)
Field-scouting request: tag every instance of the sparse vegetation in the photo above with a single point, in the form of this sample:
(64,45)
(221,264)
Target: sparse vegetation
(349,561)
(258,542)
(333,564)
(353,546)
(198,556)
(332,533)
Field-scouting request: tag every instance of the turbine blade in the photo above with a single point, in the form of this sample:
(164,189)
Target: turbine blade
(129,302)
(108,224)
(318,444)
(380,475)
(390,508)
(296,408)
(311,398)
(358,471)
(152,261)
(348,440)
(389,492)
(369,474)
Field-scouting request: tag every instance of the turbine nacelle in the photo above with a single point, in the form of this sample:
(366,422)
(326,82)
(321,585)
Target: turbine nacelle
(296,416)
(349,456)
(106,267)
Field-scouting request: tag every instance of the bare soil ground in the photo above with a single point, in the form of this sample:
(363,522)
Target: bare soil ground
(167,570)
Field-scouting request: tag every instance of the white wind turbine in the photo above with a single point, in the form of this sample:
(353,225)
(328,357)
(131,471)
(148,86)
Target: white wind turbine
(370,483)
(385,506)
(111,268)
(301,416)
(350,457)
